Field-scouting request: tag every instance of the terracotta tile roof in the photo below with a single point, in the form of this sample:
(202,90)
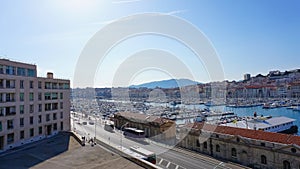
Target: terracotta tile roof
(143,118)
(252,134)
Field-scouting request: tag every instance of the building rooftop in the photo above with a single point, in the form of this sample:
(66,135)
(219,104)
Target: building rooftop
(143,118)
(247,133)
(260,123)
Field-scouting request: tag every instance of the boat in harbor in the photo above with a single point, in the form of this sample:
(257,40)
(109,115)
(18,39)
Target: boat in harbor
(296,108)
(279,124)
(270,105)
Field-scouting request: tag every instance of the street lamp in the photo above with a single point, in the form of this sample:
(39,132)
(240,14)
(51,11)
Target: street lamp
(95,129)
(122,135)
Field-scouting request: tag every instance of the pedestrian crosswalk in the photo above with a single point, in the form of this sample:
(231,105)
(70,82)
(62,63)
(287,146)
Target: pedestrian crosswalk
(167,164)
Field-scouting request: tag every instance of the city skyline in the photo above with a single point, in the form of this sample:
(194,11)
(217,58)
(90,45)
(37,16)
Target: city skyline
(249,37)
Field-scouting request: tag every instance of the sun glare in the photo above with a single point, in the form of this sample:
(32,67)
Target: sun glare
(78,6)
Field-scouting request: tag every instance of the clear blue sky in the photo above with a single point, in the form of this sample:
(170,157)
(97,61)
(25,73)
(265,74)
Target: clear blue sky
(253,36)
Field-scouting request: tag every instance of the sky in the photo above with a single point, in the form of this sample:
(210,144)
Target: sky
(248,36)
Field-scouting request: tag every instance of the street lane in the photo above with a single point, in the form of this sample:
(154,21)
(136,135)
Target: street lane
(170,157)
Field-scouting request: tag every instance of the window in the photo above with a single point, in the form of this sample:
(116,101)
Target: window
(54,85)
(40,119)
(217,148)
(54,106)
(10,84)
(21,71)
(21,84)
(10,111)
(10,124)
(205,145)
(0,126)
(61,115)
(21,97)
(31,84)
(39,84)
(10,97)
(31,96)
(293,150)
(55,126)
(40,107)
(61,96)
(66,86)
(21,109)
(1,111)
(263,144)
(1,97)
(31,119)
(1,83)
(31,72)
(54,96)
(22,134)
(31,108)
(47,106)
(263,159)
(31,132)
(197,143)
(10,138)
(61,126)
(48,85)
(61,105)
(40,130)
(10,70)
(47,96)
(1,69)
(39,96)
(47,117)
(233,152)
(21,122)
(54,116)
(286,165)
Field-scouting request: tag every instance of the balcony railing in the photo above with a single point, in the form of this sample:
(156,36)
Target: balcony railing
(10,113)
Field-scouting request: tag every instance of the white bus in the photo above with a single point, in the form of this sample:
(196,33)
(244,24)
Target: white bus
(147,155)
(134,133)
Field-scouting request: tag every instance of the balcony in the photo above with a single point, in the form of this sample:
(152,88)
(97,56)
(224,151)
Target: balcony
(10,100)
(10,114)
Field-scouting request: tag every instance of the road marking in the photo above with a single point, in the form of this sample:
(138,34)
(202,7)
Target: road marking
(218,165)
(168,164)
(160,161)
(177,167)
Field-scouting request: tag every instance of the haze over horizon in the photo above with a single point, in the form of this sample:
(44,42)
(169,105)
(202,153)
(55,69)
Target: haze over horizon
(249,36)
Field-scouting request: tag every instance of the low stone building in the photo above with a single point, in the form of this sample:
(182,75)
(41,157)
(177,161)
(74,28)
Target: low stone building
(155,127)
(253,148)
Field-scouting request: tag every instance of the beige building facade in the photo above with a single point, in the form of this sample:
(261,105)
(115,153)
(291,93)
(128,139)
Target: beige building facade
(155,127)
(253,148)
(31,107)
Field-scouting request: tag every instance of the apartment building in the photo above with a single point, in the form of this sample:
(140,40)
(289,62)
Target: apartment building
(31,107)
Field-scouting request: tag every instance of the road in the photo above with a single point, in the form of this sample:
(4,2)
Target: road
(167,157)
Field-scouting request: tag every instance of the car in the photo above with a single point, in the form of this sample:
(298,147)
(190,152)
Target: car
(84,123)
(91,123)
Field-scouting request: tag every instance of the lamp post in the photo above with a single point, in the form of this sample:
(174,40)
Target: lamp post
(95,129)
(122,135)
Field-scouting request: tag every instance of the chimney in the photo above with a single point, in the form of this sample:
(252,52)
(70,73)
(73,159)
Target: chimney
(49,75)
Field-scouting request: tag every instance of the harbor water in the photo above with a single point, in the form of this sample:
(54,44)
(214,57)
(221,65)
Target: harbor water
(249,111)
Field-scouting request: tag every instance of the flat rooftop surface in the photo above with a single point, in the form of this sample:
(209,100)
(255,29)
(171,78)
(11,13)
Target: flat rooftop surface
(62,152)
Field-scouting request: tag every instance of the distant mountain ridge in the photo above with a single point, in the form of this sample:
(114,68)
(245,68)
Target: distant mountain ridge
(171,83)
